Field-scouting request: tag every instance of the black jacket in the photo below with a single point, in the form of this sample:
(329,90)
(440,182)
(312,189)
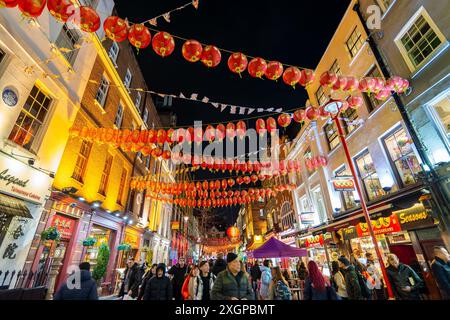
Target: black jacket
(228,286)
(441,272)
(401,277)
(219,266)
(147,276)
(158,288)
(255,272)
(352,284)
(179,274)
(88,290)
(135,278)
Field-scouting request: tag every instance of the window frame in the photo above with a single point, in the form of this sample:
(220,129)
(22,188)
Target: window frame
(353,116)
(328,136)
(116,117)
(70,34)
(369,99)
(106,173)
(80,177)
(343,194)
(104,92)
(362,179)
(138,100)
(320,95)
(359,38)
(128,79)
(114,52)
(336,68)
(120,193)
(145,115)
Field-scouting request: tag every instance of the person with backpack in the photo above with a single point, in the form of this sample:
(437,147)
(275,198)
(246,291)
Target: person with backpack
(86,291)
(279,288)
(317,286)
(352,282)
(339,281)
(266,278)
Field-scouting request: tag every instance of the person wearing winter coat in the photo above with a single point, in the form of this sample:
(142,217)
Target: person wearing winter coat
(133,278)
(150,273)
(302,271)
(351,279)
(219,265)
(375,282)
(232,283)
(404,280)
(339,281)
(179,273)
(441,270)
(266,279)
(203,283)
(316,285)
(279,287)
(158,287)
(86,291)
(255,273)
(188,286)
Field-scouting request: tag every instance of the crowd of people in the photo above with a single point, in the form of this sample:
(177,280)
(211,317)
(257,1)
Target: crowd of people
(228,278)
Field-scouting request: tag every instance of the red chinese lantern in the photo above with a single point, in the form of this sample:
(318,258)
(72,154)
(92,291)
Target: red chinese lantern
(274,70)
(254,178)
(237,62)
(299,116)
(379,85)
(341,83)
(8,3)
(152,136)
(210,133)
(31,8)
(139,36)
(241,129)
(198,135)
(161,136)
(355,102)
(311,113)
(116,29)
(61,10)
(397,84)
(231,130)
(230,182)
(163,44)
(271,125)
(292,76)
(284,120)
(328,79)
(307,77)
(170,136)
(224,184)
(189,135)
(233,232)
(192,50)
(166,155)
(247,179)
(367,85)
(211,56)
(257,67)
(383,95)
(352,84)
(88,19)
(220,132)
(239,180)
(261,127)
(323,113)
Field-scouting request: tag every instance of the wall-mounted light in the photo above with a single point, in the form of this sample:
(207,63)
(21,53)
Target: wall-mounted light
(97,204)
(81,199)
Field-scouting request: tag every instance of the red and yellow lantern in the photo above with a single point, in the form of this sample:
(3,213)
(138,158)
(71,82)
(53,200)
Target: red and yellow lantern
(312,113)
(8,3)
(261,127)
(284,120)
(116,29)
(192,50)
(61,10)
(163,44)
(355,102)
(299,116)
(274,70)
(210,133)
(292,76)
(271,125)
(233,232)
(307,77)
(211,56)
(257,67)
(31,8)
(241,129)
(220,132)
(231,130)
(237,62)
(328,79)
(88,19)
(139,36)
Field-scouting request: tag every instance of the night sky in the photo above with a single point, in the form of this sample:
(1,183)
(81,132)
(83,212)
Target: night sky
(295,34)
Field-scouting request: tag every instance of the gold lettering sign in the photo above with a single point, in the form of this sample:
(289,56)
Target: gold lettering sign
(405,217)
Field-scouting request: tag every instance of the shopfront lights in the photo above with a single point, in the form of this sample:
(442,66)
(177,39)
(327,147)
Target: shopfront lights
(186,218)
(81,199)
(125,218)
(97,204)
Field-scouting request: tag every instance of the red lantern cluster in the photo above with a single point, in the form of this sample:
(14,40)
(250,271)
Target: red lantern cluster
(315,163)
(8,3)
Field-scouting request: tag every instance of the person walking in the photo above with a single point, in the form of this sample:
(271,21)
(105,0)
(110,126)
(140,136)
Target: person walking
(219,265)
(441,270)
(132,279)
(266,278)
(351,279)
(204,283)
(279,288)
(375,282)
(178,273)
(232,283)
(188,290)
(338,281)
(302,271)
(150,273)
(255,273)
(87,289)
(404,281)
(159,286)
(317,287)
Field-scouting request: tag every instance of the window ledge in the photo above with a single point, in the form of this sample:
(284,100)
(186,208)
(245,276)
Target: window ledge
(439,50)
(358,54)
(19,148)
(99,106)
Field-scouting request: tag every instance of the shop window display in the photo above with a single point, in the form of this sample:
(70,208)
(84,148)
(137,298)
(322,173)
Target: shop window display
(347,197)
(102,235)
(369,176)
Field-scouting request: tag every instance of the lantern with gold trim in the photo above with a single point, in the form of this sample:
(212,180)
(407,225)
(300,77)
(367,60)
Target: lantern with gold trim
(292,76)
(231,130)
(61,10)
(220,132)
(192,50)
(115,28)
(87,19)
(257,67)
(284,120)
(237,63)
(163,44)
(261,127)
(210,133)
(299,116)
(139,36)
(312,113)
(211,56)
(274,70)
(241,129)
(307,77)
(271,125)
(328,79)
(8,3)
(355,102)
(31,8)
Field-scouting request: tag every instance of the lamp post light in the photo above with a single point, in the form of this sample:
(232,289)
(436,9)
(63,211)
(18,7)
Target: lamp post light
(334,108)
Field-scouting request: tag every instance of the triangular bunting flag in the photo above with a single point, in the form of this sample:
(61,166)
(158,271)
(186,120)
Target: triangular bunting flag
(233,110)
(194,96)
(269,110)
(215,105)
(205,100)
(241,110)
(279,110)
(182,95)
(153,22)
(223,107)
(250,110)
(166,16)
(260,110)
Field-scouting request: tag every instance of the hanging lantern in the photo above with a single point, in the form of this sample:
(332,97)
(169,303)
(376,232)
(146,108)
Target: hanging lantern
(311,113)
(157,152)
(211,56)
(224,184)
(166,155)
(61,10)
(271,125)
(31,8)
(237,62)
(87,18)
(328,79)
(261,127)
(257,67)
(367,85)
(352,84)
(379,85)
(254,178)
(341,83)
(284,120)
(383,95)
(299,115)
(210,133)
(163,44)
(161,136)
(230,182)
(192,50)
(189,135)
(8,3)
(220,132)
(152,134)
(139,36)
(292,76)
(323,113)
(116,29)
(241,129)
(239,180)
(355,102)
(170,136)
(307,77)
(274,70)
(231,130)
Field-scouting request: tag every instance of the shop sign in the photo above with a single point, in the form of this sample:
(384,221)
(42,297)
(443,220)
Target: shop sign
(317,240)
(10,97)
(307,218)
(411,219)
(175,225)
(20,180)
(216,242)
(340,184)
(349,233)
(380,226)
(132,239)
(65,226)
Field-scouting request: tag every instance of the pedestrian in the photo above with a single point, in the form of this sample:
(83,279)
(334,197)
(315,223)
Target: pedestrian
(279,288)
(219,265)
(150,273)
(302,271)
(87,289)
(204,283)
(361,273)
(351,279)
(178,273)
(255,273)
(375,282)
(132,279)
(232,283)
(404,281)
(317,286)
(159,286)
(338,281)
(441,270)
(188,291)
(266,278)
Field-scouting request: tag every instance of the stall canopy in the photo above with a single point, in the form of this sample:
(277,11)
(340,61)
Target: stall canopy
(274,248)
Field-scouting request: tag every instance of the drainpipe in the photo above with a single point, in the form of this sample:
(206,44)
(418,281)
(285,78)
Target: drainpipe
(438,195)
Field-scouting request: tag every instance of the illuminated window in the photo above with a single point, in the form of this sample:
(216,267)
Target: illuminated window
(349,116)
(119,117)
(332,135)
(102,91)
(369,176)
(66,42)
(321,96)
(31,118)
(82,160)
(400,149)
(354,42)
(123,179)
(105,175)
(347,197)
(335,68)
(287,216)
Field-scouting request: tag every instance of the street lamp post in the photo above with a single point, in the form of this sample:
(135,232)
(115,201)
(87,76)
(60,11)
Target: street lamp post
(334,108)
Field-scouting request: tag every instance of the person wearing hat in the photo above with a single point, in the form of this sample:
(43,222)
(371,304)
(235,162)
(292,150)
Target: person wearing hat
(232,283)
(351,279)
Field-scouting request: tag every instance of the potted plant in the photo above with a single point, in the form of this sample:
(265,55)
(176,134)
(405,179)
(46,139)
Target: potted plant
(102,263)
(51,234)
(124,247)
(89,242)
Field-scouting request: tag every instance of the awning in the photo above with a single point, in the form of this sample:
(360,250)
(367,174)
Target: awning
(274,248)
(14,207)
